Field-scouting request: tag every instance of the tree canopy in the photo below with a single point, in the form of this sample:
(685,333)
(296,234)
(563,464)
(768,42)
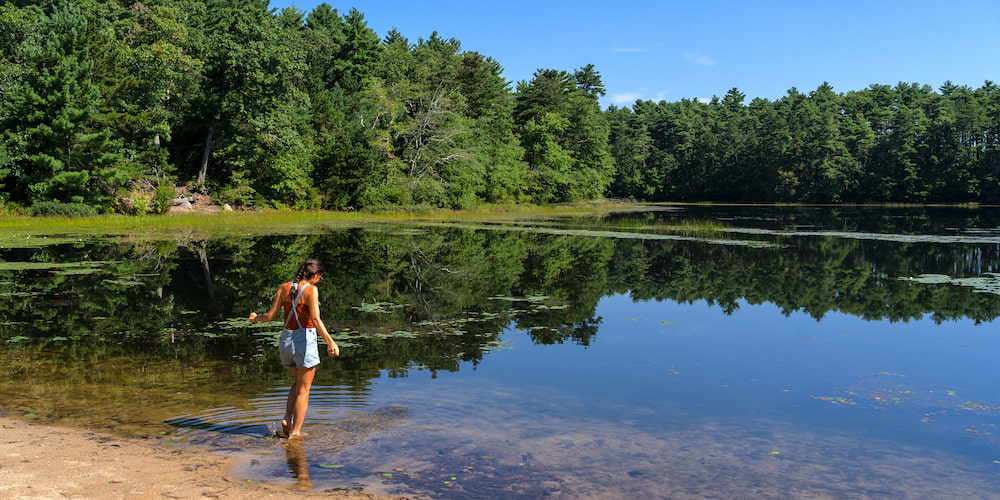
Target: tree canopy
(901,144)
(110,104)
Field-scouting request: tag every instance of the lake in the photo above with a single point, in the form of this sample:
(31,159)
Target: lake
(674,352)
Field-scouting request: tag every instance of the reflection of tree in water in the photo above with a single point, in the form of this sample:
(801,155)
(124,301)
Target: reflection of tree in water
(444,274)
(816,275)
(201,249)
(89,290)
(442,282)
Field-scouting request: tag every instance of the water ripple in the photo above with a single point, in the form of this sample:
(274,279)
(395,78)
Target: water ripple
(261,418)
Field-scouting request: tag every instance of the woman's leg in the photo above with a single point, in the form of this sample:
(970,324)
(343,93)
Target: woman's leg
(286,421)
(298,401)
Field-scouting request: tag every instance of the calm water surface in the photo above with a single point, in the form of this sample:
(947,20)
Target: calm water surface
(790,356)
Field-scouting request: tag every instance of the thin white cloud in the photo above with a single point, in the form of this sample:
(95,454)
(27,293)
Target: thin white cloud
(625,98)
(629,98)
(699,59)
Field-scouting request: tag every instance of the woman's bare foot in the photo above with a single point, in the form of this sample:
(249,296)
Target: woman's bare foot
(283,431)
(298,435)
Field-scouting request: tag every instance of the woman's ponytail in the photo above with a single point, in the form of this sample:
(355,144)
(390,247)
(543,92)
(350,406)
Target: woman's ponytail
(308,269)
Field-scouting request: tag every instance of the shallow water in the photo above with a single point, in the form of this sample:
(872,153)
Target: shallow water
(567,359)
(672,401)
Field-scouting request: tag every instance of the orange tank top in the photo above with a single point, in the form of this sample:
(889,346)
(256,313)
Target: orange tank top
(302,317)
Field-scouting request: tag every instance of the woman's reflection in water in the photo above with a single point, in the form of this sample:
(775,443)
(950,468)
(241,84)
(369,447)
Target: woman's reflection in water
(298,464)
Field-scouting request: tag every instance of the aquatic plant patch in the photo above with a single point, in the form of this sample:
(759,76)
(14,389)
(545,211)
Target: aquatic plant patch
(891,237)
(987,283)
(65,267)
(536,228)
(378,307)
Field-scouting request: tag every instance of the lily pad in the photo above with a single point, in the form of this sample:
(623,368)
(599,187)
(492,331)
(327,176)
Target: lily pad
(987,283)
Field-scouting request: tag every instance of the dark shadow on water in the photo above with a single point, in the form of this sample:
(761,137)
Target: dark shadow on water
(251,430)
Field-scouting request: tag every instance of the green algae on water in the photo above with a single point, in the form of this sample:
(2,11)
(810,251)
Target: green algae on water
(987,283)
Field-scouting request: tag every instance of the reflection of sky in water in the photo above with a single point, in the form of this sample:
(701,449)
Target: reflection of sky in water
(670,400)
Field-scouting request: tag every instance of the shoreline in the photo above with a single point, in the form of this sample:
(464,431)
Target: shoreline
(41,461)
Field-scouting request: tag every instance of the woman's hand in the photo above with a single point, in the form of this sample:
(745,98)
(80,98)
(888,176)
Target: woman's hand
(332,349)
(252,316)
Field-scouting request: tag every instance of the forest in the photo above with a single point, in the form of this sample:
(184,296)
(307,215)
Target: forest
(107,106)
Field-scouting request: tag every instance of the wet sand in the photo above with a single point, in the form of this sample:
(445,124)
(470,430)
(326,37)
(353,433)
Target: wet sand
(38,461)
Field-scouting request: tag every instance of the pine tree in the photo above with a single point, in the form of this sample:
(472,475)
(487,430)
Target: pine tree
(57,150)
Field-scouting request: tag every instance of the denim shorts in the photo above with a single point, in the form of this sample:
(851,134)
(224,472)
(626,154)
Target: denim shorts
(298,348)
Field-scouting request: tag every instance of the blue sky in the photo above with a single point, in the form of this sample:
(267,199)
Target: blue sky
(670,50)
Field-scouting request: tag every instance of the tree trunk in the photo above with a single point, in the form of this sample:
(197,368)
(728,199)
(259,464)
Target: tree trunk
(205,155)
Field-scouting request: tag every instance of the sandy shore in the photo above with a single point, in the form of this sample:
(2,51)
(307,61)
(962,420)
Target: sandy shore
(38,461)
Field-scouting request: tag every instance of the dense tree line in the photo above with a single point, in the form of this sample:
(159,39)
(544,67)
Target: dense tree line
(108,104)
(906,143)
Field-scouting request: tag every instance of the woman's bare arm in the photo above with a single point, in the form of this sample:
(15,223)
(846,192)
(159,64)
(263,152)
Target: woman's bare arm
(273,311)
(313,300)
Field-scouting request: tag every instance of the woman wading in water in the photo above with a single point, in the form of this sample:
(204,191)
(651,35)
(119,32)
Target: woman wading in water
(298,347)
